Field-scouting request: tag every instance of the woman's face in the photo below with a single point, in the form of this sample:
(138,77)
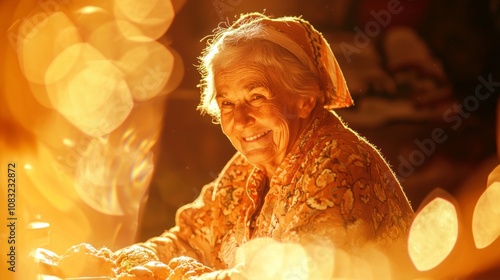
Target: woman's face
(261,124)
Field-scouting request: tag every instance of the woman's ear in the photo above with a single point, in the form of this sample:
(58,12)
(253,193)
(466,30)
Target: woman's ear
(306,106)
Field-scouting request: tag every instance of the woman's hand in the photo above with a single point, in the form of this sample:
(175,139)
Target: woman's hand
(130,263)
(45,262)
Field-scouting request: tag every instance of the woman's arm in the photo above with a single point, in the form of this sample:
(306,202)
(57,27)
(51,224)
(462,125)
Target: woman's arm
(190,236)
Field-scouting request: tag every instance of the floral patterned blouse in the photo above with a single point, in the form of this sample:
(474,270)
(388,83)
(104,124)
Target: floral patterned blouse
(332,184)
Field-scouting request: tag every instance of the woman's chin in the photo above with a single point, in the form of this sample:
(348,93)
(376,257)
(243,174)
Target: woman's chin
(261,158)
(257,158)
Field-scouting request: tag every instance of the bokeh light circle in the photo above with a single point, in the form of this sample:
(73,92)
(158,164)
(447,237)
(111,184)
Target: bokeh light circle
(433,234)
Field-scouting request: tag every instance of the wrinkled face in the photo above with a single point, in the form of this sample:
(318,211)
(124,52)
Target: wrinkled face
(261,124)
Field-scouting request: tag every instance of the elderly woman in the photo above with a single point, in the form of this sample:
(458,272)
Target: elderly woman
(299,172)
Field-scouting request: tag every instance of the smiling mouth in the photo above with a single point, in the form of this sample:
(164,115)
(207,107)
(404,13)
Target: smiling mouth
(255,137)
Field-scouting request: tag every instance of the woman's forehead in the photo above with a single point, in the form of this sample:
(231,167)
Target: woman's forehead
(242,76)
(232,87)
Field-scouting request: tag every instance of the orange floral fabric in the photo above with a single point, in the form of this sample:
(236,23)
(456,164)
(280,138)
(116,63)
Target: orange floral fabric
(332,184)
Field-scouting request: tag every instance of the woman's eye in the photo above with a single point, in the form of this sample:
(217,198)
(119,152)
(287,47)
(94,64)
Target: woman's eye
(226,105)
(257,97)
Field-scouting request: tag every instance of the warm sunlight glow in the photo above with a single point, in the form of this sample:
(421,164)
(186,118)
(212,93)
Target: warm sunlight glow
(42,43)
(147,68)
(153,17)
(68,142)
(433,234)
(112,178)
(265,258)
(92,94)
(81,91)
(38,225)
(486,217)
(90,18)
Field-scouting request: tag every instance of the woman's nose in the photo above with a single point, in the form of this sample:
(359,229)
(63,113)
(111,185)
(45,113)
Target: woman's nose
(243,115)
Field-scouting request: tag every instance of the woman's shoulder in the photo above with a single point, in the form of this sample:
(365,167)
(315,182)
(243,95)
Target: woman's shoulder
(331,131)
(334,141)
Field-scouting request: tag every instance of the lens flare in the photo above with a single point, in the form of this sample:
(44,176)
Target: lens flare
(153,17)
(76,120)
(487,210)
(108,40)
(147,68)
(113,179)
(312,258)
(89,18)
(265,258)
(92,93)
(433,234)
(42,42)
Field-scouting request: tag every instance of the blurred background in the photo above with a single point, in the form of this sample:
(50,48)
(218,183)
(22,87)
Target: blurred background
(424,75)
